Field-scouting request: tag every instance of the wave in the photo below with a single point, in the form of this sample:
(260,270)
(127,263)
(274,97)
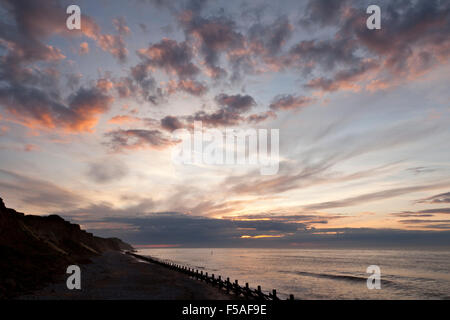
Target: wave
(335,276)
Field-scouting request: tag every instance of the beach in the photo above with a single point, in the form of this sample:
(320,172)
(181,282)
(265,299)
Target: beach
(115,275)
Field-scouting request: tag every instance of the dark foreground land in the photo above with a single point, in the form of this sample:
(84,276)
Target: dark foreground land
(115,275)
(35,252)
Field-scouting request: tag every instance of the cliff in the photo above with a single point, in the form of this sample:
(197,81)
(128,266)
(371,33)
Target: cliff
(34,250)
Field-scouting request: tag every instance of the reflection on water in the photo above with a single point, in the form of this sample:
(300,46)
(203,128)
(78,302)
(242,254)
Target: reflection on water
(324,274)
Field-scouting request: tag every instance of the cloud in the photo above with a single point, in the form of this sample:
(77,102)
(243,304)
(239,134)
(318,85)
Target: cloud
(125,86)
(140,83)
(121,140)
(439,198)
(374,196)
(306,219)
(230,112)
(421,170)
(291,177)
(324,55)
(214,35)
(115,45)
(170,56)
(314,166)
(73,80)
(269,231)
(422,213)
(121,26)
(122,119)
(272,37)
(29,77)
(220,118)
(420,221)
(409,44)
(36,193)
(235,103)
(427,224)
(260,117)
(111,43)
(104,210)
(345,79)
(107,170)
(31,23)
(35,108)
(171,123)
(290,102)
(174,227)
(88,104)
(34,22)
(323,12)
(192,87)
(408,214)
(261,49)
(84,48)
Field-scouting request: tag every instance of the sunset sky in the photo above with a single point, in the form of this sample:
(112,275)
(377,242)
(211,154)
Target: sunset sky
(86,119)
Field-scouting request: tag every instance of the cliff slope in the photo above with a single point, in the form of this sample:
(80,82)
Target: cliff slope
(34,250)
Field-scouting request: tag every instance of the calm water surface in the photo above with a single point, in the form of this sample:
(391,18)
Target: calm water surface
(324,274)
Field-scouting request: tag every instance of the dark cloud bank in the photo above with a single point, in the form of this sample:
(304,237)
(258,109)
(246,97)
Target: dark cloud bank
(170,228)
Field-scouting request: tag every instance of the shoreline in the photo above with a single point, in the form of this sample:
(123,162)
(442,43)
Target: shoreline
(119,276)
(225,286)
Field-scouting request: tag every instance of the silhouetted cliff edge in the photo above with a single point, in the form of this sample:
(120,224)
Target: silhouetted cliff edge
(34,250)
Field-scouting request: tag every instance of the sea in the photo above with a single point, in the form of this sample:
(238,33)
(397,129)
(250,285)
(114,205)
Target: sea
(323,274)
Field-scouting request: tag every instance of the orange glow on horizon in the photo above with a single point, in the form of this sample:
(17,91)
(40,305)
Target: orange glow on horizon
(262,236)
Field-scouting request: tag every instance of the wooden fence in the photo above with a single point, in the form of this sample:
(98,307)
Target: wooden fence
(240,292)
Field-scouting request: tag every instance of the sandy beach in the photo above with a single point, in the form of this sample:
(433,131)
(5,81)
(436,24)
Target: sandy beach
(115,275)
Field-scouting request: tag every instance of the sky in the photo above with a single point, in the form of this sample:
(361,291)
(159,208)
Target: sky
(87,120)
